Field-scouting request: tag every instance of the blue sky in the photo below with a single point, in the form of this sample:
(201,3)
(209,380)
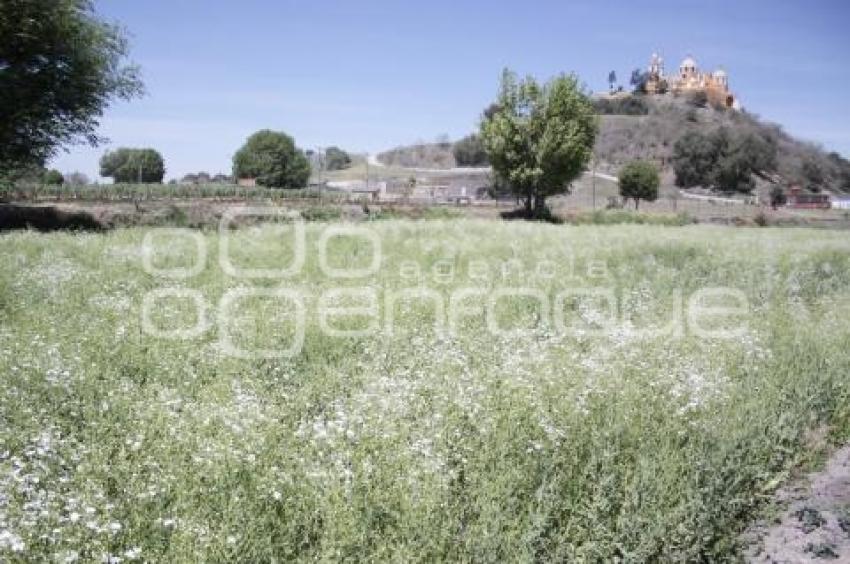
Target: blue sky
(369,75)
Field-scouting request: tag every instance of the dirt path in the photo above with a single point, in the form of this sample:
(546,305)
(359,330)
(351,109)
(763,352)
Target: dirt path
(815,527)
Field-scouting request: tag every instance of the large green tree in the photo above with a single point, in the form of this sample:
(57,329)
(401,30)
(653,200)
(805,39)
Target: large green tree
(126,165)
(539,138)
(60,67)
(273,159)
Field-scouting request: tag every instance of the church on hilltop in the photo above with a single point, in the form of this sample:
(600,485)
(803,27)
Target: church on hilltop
(688,80)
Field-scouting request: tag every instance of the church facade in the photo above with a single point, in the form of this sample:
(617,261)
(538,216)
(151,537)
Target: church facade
(690,79)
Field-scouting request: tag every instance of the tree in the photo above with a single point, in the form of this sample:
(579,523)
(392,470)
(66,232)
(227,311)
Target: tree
(812,173)
(77,179)
(336,159)
(539,138)
(126,165)
(60,67)
(694,159)
(777,197)
(723,159)
(733,173)
(612,79)
(273,159)
(54,177)
(470,151)
(639,180)
(638,80)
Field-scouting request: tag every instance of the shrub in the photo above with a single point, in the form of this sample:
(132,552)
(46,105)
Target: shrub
(336,159)
(627,105)
(697,99)
(321,213)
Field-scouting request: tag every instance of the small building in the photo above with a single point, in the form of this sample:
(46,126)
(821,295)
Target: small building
(247,182)
(841,203)
(798,198)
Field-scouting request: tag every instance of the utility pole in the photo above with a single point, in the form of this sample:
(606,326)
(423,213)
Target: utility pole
(593,183)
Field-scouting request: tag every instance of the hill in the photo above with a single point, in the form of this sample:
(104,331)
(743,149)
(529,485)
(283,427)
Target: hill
(420,155)
(647,127)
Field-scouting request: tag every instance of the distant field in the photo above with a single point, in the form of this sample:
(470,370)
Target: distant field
(532,422)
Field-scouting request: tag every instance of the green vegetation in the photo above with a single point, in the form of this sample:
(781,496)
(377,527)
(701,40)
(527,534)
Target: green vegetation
(638,181)
(60,67)
(617,217)
(634,105)
(273,159)
(133,165)
(410,445)
(724,159)
(539,138)
(777,197)
(54,177)
(470,151)
(321,213)
(624,137)
(337,159)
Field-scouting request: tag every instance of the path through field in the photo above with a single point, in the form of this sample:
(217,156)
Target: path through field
(816,524)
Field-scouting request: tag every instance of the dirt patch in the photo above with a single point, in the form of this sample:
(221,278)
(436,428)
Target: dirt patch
(815,526)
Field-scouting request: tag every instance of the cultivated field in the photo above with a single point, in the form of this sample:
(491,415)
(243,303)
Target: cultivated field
(504,391)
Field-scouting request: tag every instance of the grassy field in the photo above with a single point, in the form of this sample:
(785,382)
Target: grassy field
(160,415)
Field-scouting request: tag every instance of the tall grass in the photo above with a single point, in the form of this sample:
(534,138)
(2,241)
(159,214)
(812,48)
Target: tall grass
(413,445)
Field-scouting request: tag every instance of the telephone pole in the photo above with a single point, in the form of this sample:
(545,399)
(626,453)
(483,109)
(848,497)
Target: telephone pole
(593,183)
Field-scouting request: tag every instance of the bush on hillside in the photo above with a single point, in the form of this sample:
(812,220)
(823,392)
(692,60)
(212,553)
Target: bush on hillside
(812,175)
(470,151)
(336,159)
(723,158)
(697,99)
(625,105)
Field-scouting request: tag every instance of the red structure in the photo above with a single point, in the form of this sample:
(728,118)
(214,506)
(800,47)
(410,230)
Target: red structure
(797,198)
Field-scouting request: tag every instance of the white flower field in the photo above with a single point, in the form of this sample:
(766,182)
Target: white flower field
(412,390)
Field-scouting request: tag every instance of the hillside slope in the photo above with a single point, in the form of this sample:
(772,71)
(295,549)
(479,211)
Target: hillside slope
(652,136)
(645,127)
